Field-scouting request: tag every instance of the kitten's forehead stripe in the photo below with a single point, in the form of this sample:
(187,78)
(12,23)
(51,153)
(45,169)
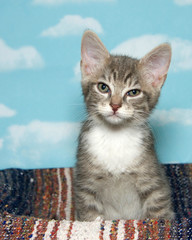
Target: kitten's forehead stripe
(122,68)
(103,76)
(114,75)
(133,83)
(127,77)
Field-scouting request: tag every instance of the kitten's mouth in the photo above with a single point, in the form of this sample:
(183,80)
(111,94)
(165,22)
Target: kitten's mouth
(115,115)
(114,118)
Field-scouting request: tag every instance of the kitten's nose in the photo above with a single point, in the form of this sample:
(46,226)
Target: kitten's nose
(115,107)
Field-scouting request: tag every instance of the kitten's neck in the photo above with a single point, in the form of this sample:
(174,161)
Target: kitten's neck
(116,149)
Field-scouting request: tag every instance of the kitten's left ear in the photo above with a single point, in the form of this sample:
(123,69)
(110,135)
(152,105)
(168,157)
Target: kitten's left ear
(154,66)
(93,53)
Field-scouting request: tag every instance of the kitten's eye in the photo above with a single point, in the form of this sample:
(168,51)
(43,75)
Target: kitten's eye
(103,88)
(133,93)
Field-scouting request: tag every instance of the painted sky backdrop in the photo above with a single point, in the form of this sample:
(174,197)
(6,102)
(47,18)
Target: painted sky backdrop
(41,105)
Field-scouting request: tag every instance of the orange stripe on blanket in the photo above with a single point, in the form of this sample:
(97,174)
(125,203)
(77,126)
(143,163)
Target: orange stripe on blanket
(38,197)
(114,230)
(46,195)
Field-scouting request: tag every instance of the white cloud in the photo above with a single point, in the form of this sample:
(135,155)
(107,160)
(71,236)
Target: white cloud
(59,2)
(72,25)
(26,57)
(41,133)
(6,112)
(40,144)
(175,115)
(183,2)
(1,143)
(138,47)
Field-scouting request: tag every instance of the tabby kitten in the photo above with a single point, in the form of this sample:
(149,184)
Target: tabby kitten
(117,173)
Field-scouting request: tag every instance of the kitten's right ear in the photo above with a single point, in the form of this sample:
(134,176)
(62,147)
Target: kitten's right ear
(93,53)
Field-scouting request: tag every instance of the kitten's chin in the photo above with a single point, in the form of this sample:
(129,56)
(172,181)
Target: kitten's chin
(118,120)
(113,119)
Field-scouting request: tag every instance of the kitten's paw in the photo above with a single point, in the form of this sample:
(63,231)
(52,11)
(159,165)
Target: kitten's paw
(99,219)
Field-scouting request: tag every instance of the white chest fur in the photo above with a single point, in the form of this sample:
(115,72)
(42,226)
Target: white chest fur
(115,150)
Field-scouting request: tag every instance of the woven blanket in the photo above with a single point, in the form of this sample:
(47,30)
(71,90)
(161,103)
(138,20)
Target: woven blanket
(39,204)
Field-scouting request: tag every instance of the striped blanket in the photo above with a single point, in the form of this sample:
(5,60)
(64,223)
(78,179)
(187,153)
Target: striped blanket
(39,204)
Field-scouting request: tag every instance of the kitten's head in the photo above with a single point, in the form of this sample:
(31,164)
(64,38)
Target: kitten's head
(120,89)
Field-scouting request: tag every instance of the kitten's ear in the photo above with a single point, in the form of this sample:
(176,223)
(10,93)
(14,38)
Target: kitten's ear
(93,53)
(155,65)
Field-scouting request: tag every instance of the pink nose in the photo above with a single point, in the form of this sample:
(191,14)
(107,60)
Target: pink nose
(115,107)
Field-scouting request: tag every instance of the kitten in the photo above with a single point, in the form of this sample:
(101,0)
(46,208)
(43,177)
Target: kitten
(117,172)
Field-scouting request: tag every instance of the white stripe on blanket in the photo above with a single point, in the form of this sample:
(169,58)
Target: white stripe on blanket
(50,226)
(69,191)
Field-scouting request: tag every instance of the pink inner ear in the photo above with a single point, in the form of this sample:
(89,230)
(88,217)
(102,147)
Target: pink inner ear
(160,72)
(93,53)
(88,62)
(158,81)
(88,69)
(156,65)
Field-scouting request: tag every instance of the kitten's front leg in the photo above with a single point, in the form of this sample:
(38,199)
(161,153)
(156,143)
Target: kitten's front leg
(156,199)
(88,207)
(158,205)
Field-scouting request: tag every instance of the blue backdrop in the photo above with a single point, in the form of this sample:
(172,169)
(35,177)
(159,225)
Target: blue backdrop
(41,105)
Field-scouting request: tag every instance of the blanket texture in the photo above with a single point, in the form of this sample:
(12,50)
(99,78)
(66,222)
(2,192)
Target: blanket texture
(39,204)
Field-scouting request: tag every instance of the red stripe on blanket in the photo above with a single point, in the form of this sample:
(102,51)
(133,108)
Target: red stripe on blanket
(54,230)
(72,218)
(70,231)
(129,229)
(46,195)
(41,229)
